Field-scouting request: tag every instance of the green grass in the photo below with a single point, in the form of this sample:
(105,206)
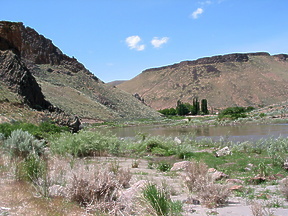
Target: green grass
(159,200)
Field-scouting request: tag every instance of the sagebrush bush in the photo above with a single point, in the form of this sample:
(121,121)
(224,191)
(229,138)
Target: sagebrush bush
(21,144)
(86,143)
(97,187)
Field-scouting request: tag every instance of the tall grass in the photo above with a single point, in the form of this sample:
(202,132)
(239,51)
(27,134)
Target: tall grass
(160,202)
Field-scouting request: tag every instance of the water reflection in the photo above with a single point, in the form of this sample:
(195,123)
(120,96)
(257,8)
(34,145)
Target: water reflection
(235,133)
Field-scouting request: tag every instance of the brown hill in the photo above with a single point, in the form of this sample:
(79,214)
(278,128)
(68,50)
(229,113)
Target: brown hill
(116,82)
(250,79)
(64,81)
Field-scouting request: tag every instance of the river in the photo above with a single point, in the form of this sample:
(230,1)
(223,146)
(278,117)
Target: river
(234,133)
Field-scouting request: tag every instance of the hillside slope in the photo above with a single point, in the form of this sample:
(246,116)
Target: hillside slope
(65,82)
(250,79)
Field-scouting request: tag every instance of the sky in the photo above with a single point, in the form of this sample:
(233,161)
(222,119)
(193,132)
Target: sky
(118,39)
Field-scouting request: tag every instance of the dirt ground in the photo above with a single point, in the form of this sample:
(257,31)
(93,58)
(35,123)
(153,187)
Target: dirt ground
(20,198)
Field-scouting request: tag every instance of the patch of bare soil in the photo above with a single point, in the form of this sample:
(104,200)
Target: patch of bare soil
(20,198)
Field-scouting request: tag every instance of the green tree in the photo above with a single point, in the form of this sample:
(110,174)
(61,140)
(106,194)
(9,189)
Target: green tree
(196,107)
(204,108)
(181,109)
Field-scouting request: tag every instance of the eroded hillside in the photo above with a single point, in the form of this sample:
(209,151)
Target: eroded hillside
(64,81)
(250,79)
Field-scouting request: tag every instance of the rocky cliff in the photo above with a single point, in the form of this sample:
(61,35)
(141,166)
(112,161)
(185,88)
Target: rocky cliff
(16,75)
(33,47)
(64,81)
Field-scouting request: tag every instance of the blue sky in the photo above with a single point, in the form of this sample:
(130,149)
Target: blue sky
(118,39)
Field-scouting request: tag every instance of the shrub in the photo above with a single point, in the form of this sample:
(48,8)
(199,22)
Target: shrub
(21,144)
(32,168)
(233,113)
(91,186)
(41,131)
(199,181)
(163,166)
(168,111)
(213,195)
(85,143)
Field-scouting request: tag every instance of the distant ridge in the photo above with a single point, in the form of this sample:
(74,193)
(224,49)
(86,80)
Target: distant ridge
(238,79)
(116,82)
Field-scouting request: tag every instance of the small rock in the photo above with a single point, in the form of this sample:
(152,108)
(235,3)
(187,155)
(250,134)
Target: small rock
(223,152)
(236,187)
(218,175)
(180,165)
(211,170)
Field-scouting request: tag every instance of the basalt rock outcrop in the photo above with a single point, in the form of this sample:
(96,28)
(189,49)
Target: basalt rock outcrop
(33,47)
(30,58)
(17,76)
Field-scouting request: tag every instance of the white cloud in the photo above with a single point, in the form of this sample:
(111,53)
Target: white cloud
(133,43)
(157,42)
(205,2)
(196,13)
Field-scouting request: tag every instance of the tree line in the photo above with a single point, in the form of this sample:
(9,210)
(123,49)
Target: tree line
(196,108)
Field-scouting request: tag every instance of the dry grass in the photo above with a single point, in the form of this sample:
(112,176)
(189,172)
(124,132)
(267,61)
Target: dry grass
(92,186)
(259,210)
(200,182)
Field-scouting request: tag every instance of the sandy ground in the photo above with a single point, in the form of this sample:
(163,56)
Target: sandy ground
(13,202)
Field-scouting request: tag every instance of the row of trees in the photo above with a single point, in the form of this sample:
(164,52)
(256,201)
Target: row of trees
(196,108)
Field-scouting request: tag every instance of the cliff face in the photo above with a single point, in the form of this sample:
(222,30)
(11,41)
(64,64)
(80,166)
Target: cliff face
(235,57)
(240,79)
(64,81)
(16,75)
(34,47)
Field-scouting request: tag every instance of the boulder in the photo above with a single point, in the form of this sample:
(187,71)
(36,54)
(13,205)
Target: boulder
(126,196)
(180,166)
(216,175)
(223,152)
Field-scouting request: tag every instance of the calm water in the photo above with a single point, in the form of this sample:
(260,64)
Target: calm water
(235,133)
